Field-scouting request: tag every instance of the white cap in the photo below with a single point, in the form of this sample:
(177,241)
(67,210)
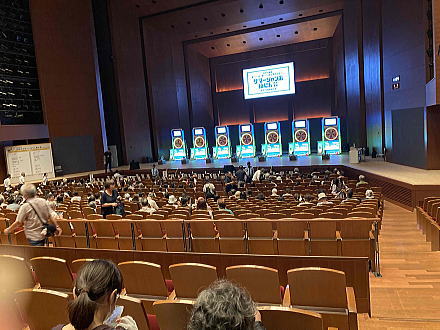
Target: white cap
(321,196)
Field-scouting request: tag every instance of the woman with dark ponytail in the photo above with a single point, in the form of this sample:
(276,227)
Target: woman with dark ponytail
(96,290)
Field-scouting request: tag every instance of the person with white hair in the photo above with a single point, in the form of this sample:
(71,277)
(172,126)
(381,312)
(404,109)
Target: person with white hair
(152,202)
(361,181)
(172,200)
(274,193)
(35,216)
(369,194)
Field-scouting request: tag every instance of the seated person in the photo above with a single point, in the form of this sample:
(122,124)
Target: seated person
(172,200)
(222,206)
(307,200)
(146,207)
(322,199)
(76,197)
(361,181)
(274,192)
(261,196)
(350,197)
(96,290)
(369,194)
(288,193)
(225,306)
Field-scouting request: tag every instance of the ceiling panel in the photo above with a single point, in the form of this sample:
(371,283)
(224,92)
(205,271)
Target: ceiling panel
(152,7)
(283,35)
(222,16)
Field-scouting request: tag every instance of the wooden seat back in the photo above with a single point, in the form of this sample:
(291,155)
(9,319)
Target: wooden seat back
(34,305)
(173,314)
(143,278)
(319,287)
(190,279)
(52,273)
(261,282)
(133,307)
(277,317)
(15,274)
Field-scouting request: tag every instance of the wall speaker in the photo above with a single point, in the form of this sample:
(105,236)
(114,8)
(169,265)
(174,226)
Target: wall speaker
(261,159)
(208,160)
(234,160)
(292,157)
(325,157)
(183,161)
(160,162)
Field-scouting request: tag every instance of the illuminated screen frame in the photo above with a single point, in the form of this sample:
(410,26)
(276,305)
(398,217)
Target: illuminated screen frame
(272,126)
(198,131)
(177,133)
(221,130)
(333,121)
(302,122)
(247,74)
(246,128)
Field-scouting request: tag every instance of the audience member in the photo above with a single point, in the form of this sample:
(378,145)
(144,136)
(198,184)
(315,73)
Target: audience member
(222,206)
(109,199)
(34,215)
(96,290)
(76,197)
(361,181)
(7,182)
(322,199)
(21,179)
(225,306)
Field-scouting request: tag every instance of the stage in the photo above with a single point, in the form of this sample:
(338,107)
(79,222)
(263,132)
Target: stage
(403,185)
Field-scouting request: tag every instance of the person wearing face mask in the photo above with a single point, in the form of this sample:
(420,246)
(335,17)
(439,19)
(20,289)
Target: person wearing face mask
(96,291)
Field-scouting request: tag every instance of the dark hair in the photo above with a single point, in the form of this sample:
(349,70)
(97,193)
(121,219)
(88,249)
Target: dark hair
(95,279)
(108,183)
(223,306)
(350,193)
(201,204)
(221,203)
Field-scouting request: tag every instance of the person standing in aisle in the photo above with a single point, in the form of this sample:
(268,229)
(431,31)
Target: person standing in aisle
(108,160)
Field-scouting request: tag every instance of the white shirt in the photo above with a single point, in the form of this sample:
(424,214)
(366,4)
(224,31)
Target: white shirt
(76,199)
(7,183)
(208,186)
(257,175)
(21,179)
(45,179)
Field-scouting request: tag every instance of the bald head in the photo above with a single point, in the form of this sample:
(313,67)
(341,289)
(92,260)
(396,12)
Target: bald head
(28,190)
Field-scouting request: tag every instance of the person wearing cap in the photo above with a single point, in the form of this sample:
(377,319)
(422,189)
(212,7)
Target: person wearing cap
(322,199)
(172,200)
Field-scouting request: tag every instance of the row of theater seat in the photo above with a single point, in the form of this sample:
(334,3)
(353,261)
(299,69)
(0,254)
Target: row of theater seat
(428,220)
(315,289)
(320,237)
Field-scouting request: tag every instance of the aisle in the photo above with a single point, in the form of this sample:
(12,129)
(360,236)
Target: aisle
(408,294)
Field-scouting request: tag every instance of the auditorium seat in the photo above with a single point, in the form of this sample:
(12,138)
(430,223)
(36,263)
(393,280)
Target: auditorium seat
(42,309)
(292,237)
(302,215)
(134,217)
(94,216)
(357,239)
(324,291)
(203,236)
(3,237)
(248,215)
(261,282)
(86,211)
(15,274)
(231,236)
(331,215)
(52,273)
(78,263)
(134,308)
(261,238)
(189,279)
(179,310)
(360,215)
(323,238)
(175,235)
(104,236)
(74,214)
(150,235)
(81,230)
(113,217)
(126,234)
(66,239)
(277,317)
(144,280)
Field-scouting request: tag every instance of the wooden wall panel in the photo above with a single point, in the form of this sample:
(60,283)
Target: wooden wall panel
(67,67)
(433,137)
(372,34)
(130,80)
(403,33)
(355,120)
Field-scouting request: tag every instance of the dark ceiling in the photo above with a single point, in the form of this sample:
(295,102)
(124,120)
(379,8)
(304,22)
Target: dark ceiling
(222,27)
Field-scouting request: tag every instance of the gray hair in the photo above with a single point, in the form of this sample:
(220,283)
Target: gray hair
(28,190)
(223,306)
(361,177)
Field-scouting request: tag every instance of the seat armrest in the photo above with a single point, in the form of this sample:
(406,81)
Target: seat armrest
(172,295)
(338,235)
(286,298)
(371,235)
(275,234)
(351,300)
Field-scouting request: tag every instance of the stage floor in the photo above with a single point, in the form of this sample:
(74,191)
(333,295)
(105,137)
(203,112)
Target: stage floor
(406,174)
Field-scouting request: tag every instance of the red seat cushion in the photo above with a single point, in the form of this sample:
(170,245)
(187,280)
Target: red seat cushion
(152,322)
(170,285)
